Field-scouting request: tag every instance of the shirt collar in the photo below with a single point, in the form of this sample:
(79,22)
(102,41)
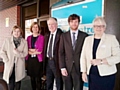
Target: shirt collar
(76,32)
(54,32)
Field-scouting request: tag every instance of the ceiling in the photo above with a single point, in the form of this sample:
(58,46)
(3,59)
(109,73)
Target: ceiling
(4,4)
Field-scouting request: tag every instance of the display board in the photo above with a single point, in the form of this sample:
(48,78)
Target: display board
(87,10)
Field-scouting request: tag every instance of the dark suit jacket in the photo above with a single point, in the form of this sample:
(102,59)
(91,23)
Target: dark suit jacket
(68,56)
(55,50)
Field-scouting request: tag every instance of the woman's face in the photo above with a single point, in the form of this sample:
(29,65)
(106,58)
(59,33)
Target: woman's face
(35,28)
(99,28)
(16,33)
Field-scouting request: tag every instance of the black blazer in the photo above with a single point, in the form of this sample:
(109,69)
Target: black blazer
(55,50)
(68,56)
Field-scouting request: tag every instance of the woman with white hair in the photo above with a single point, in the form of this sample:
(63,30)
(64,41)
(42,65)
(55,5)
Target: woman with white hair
(99,57)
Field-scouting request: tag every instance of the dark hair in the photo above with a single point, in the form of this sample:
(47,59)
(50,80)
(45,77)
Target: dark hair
(35,23)
(17,27)
(73,17)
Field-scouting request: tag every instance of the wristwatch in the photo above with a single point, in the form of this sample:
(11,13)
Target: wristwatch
(101,62)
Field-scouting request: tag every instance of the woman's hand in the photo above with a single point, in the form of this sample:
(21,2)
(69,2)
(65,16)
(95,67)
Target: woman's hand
(37,52)
(84,77)
(34,51)
(95,62)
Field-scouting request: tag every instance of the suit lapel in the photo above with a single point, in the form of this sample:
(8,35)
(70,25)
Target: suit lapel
(46,41)
(79,40)
(101,41)
(68,36)
(56,39)
(91,45)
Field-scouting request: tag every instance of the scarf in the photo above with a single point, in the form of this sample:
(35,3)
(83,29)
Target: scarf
(17,41)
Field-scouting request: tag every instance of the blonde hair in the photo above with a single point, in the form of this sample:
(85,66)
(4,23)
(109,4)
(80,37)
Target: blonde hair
(17,27)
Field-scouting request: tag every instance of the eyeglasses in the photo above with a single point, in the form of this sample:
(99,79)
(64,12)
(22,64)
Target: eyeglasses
(99,26)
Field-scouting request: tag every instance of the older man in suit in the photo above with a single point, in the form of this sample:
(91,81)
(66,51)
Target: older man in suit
(51,63)
(70,48)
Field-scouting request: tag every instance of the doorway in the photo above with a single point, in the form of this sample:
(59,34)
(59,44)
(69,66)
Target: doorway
(44,27)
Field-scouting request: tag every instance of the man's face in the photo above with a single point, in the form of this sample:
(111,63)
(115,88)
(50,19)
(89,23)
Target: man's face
(74,24)
(52,25)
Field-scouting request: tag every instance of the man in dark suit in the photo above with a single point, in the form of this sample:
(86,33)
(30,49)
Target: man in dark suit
(51,63)
(70,48)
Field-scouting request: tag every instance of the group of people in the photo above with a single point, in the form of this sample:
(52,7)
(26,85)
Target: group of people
(70,58)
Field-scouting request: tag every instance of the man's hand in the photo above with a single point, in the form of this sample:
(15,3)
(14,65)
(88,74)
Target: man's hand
(64,72)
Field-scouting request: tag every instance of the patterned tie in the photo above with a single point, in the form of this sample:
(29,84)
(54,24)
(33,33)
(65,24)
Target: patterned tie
(74,41)
(50,47)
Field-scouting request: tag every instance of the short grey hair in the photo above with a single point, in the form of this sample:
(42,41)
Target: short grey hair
(99,19)
(52,18)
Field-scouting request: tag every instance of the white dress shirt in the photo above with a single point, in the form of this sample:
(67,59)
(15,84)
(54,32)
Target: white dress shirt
(76,34)
(54,34)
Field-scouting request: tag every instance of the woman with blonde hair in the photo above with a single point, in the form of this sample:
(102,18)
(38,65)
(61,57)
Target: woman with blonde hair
(13,51)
